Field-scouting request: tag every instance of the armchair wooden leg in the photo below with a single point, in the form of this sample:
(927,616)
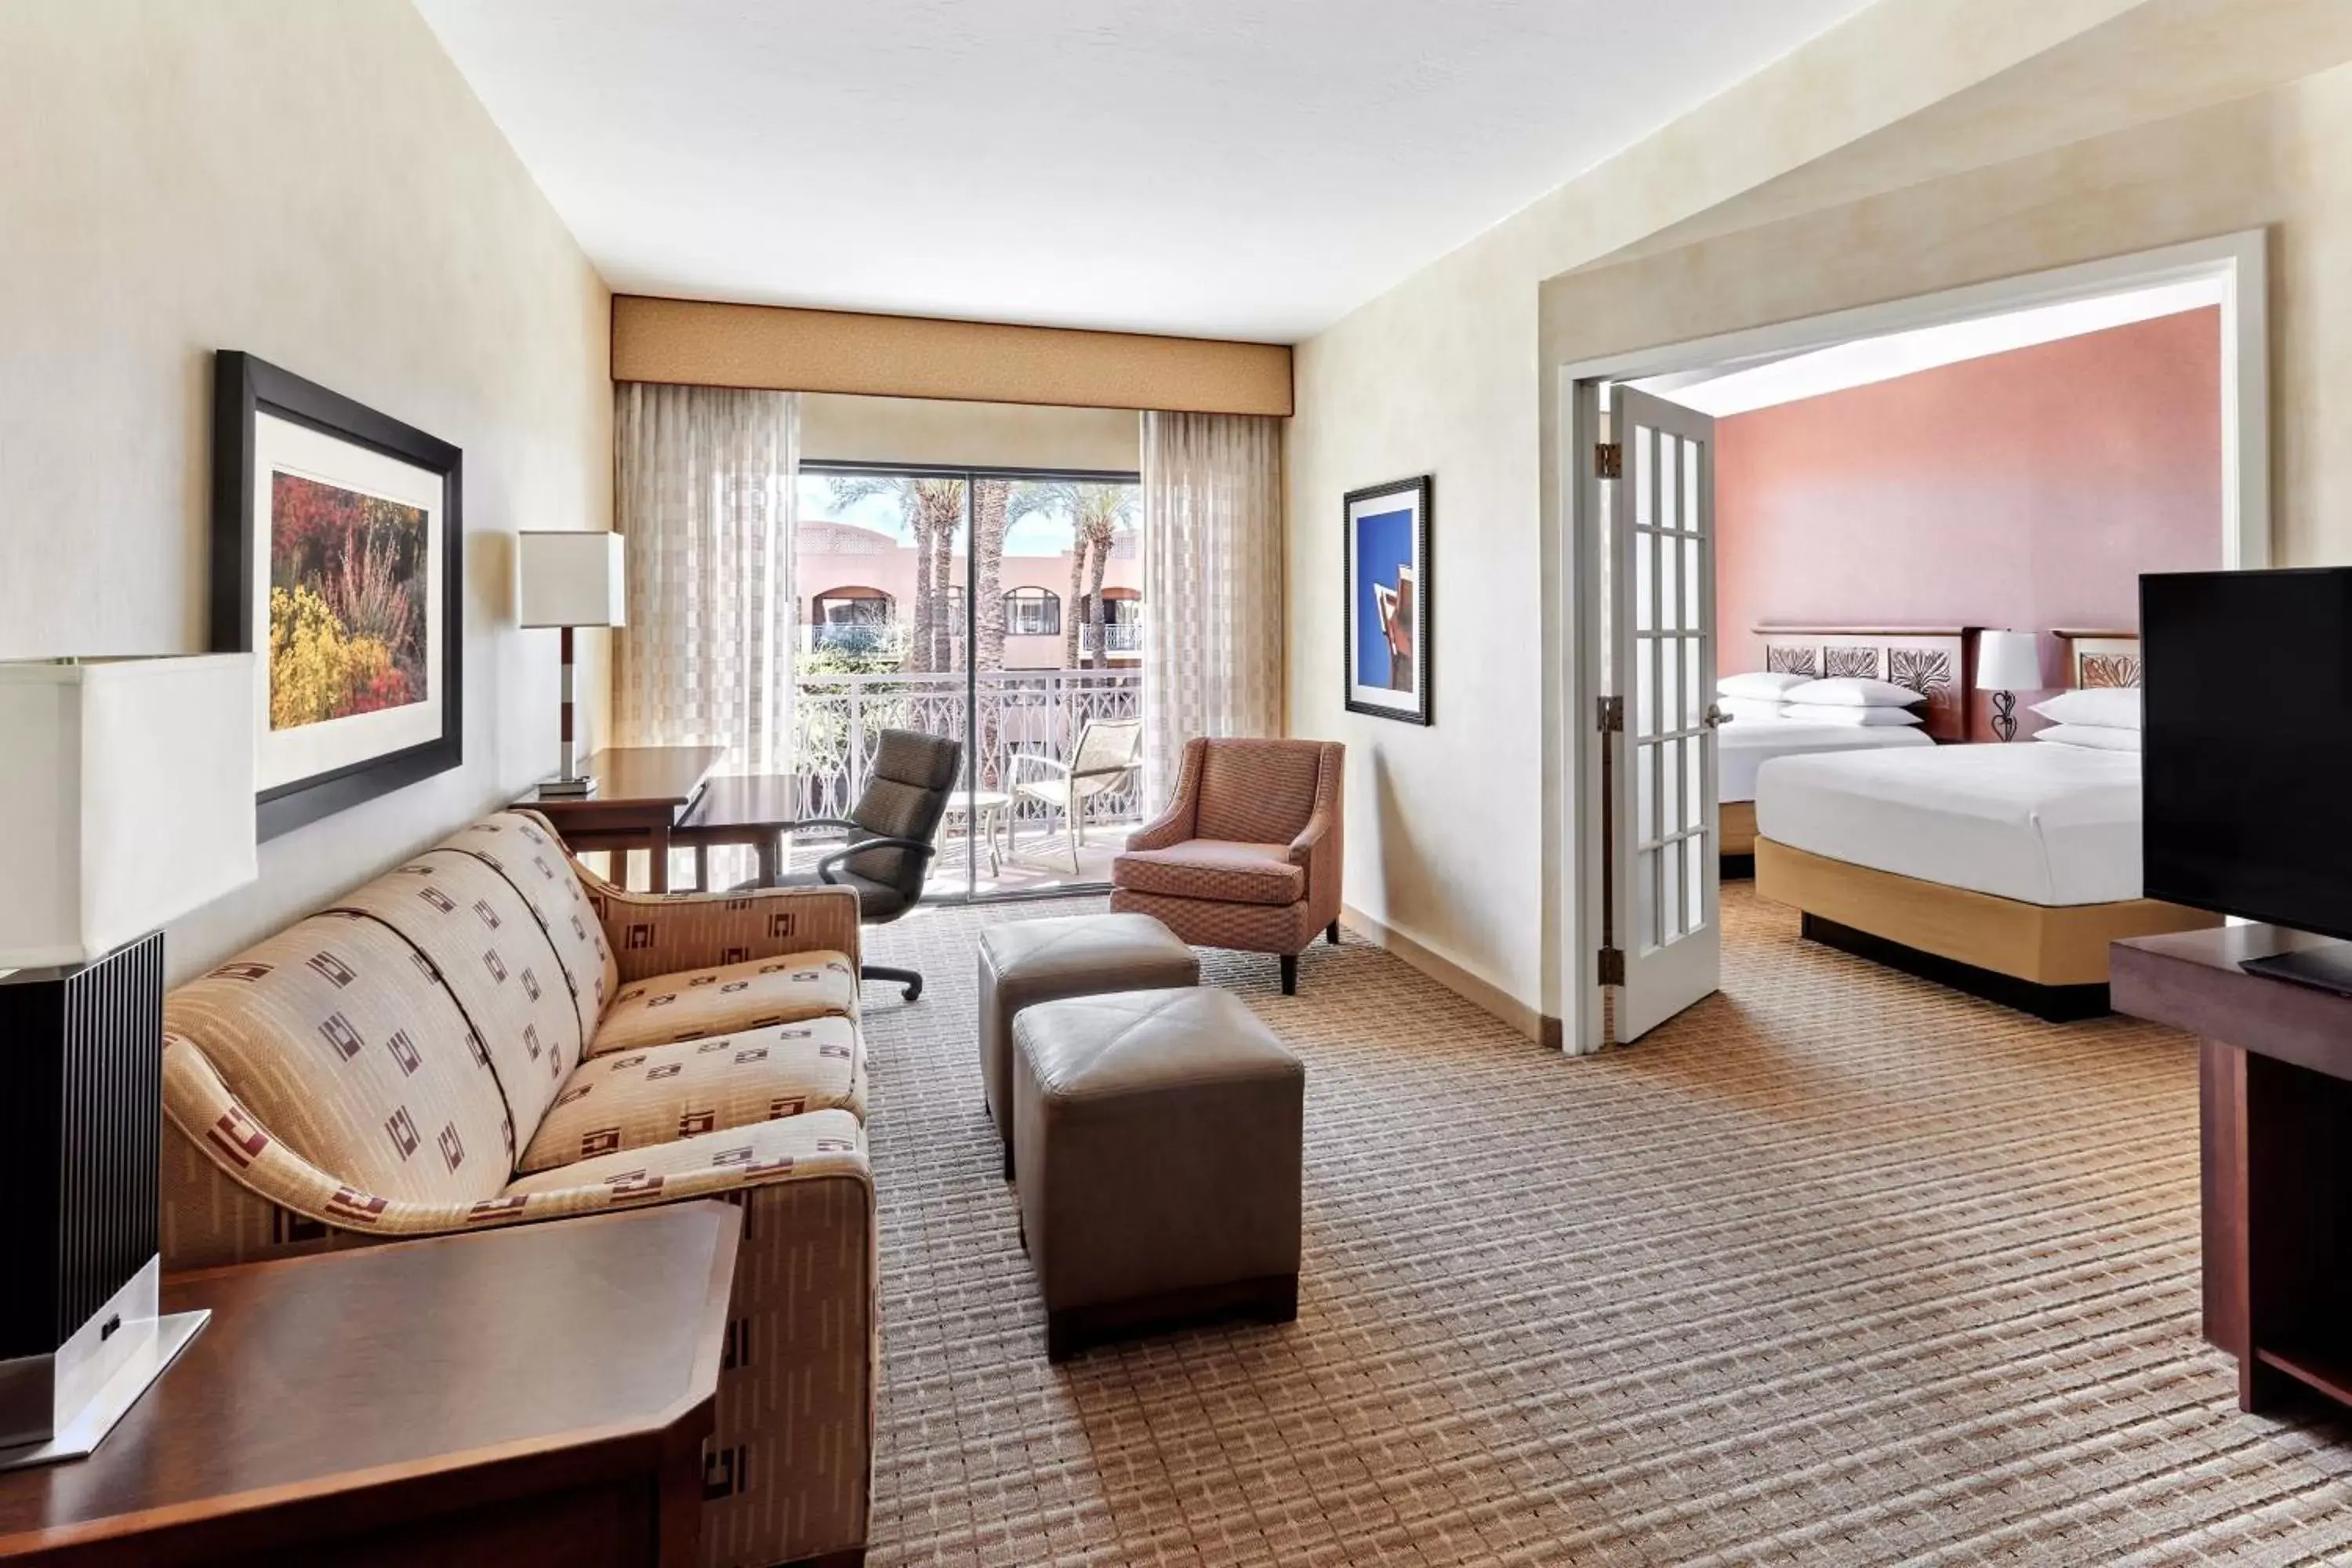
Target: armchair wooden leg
(1070,828)
(1290,974)
(1331,933)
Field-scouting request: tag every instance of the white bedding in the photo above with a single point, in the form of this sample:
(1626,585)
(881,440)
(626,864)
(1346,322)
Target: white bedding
(1748,743)
(2045,825)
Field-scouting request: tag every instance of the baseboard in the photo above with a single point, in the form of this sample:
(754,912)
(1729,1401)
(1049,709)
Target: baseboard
(1481,993)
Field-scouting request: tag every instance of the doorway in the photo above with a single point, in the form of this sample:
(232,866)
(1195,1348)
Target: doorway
(998,607)
(1619,827)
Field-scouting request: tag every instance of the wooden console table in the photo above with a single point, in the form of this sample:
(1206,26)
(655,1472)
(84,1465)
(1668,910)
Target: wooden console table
(533,1394)
(2275,1092)
(641,794)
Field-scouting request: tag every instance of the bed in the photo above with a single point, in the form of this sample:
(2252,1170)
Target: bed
(2004,870)
(1931,660)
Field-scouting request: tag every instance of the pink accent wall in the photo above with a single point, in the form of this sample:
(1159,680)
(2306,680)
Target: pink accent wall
(2026,489)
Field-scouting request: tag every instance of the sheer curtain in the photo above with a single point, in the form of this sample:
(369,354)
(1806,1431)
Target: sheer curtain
(1212,556)
(704,481)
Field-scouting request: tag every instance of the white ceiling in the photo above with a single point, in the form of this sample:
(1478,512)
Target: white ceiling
(1740,389)
(1231,168)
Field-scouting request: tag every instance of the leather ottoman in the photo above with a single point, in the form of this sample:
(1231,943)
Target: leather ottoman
(1028,961)
(1160,1139)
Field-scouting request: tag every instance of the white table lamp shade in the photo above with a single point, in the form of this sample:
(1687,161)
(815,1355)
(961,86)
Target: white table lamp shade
(127,786)
(2009,662)
(570,579)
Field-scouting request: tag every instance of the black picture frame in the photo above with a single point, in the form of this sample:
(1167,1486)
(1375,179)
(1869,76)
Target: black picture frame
(244,386)
(1420,493)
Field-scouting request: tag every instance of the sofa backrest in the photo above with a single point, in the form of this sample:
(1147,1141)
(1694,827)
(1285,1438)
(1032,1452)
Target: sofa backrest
(343,1035)
(1258,792)
(338,1038)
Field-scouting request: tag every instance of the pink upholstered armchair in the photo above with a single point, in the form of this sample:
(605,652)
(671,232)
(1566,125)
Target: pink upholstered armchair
(1247,854)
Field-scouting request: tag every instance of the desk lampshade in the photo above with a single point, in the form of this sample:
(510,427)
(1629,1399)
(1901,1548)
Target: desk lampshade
(128,787)
(570,579)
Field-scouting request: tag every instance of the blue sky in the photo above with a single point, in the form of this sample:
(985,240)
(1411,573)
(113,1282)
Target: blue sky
(1036,534)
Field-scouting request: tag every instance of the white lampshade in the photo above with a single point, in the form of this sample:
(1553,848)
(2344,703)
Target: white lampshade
(570,579)
(127,787)
(2009,662)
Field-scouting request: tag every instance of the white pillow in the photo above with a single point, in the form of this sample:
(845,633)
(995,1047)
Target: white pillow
(1751,708)
(1852,691)
(2097,737)
(1854,717)
(1757,683)
(2108,707)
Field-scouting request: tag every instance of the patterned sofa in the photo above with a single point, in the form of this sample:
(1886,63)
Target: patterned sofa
(491,1034)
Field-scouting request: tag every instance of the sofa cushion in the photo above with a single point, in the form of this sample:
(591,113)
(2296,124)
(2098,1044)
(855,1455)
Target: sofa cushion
(521,847)
(633,1100)
(495,959)
(1213,868)
(699,1004)
(1261,792)
(340,1041)
(763,1151)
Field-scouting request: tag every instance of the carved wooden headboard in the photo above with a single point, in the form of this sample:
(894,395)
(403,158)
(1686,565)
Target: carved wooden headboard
(2095,658)
(1938,662)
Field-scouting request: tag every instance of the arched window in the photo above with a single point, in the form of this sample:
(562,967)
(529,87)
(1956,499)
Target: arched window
(850,617)
(1033,612)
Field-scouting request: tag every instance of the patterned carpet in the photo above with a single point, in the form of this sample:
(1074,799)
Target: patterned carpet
(1837,1267)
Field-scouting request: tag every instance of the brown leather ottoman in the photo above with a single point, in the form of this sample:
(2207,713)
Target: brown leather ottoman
(1159,1135)
(1028,961)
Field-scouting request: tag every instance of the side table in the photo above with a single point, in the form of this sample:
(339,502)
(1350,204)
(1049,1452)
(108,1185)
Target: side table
(537,1394)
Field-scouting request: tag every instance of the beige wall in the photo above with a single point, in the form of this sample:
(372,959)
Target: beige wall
(317,185)
(1451,842)
(842,427)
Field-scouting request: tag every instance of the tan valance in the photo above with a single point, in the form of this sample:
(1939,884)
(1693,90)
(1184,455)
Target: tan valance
(696,343)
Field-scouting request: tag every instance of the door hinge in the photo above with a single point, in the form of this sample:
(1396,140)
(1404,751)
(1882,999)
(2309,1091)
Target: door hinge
(1612,966)
(1609,461)
(1611,715)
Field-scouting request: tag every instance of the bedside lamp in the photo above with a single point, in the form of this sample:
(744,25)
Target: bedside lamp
(128,789)
(2007,664)
(570,579)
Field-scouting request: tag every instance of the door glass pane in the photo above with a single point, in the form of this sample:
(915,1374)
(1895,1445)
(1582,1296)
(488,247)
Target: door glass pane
(1669,493)
(1670,900)
(1644,485)
(1670,584)
(1691,587)
(1695,852)
(1695,698)
(1645,549)
(1670,791)
(1693,782)
(1691,491)
(1002,611)
(1645,669)
(1646,823)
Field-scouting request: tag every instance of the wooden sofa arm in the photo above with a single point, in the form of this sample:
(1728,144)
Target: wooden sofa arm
(661,934)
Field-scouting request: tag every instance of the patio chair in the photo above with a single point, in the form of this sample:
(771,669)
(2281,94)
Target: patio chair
(1108,757)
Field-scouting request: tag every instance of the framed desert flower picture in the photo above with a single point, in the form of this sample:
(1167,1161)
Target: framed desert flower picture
(336,556)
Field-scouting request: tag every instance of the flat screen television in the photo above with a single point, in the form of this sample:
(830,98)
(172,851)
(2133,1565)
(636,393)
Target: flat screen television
(2246,683)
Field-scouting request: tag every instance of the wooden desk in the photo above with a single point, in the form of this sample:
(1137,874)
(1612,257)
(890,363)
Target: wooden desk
(753,810)
(534,1395)
(641,794)
(2275,1097)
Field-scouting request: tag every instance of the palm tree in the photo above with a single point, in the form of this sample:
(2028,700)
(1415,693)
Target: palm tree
(1097,514)
(931,508)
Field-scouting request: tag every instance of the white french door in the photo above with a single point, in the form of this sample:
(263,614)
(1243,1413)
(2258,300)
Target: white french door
(1665,871)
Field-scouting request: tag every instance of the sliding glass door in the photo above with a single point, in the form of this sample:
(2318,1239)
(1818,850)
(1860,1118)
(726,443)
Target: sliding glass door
(1002,608)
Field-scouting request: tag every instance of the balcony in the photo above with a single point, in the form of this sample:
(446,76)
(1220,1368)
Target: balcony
(1118,636)
(840,720)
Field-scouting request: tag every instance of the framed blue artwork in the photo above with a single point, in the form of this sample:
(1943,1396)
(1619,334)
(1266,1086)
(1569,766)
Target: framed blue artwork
(1386,560)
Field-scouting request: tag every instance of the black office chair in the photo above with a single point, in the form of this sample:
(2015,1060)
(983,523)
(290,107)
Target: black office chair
(893,826)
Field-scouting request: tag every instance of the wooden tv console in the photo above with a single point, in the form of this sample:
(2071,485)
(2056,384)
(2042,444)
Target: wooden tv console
(2275,1091)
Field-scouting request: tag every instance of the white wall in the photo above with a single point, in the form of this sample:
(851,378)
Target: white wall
(313,182)
(842,427)
(1449,843)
